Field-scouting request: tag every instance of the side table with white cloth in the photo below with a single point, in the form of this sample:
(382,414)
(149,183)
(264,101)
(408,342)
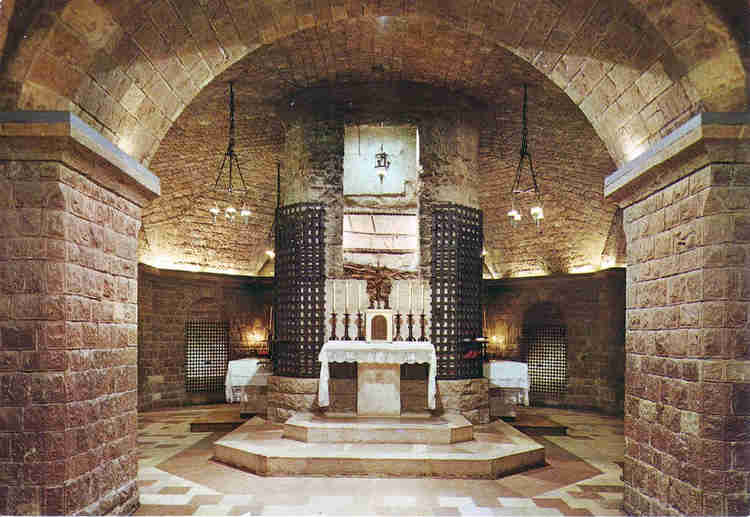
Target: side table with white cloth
(247,383)
(378,372)
(509,386)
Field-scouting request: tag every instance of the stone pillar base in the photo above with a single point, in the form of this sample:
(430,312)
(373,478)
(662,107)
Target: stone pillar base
(253,399)
(289,395)
(467,397)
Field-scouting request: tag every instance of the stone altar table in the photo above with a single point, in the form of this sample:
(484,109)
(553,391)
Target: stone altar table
(509,386)
(247,383)
(378,372)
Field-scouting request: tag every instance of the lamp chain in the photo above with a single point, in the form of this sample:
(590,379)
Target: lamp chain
(537,212)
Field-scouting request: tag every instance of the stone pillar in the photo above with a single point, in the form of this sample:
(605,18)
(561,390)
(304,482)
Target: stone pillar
(449,156)
(70,208)
(313,172)
(687,401)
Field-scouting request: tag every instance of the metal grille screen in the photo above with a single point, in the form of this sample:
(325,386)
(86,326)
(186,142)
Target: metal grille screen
(299,301)
(206,355)
(457,241)
(547,358)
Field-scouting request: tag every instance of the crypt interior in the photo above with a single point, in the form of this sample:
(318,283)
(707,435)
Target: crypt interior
(374,257)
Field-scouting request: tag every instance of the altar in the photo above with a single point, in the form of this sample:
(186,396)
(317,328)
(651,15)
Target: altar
(378,372)
(508,385)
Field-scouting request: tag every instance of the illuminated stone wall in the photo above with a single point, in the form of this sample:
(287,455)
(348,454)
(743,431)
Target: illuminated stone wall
(167,299)
(591,307)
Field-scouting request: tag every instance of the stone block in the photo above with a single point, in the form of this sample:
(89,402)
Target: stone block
(293,401)
(379,389)
(741,399)
(292,385)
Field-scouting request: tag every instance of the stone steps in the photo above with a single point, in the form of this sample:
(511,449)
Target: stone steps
(259,446)
(308,427)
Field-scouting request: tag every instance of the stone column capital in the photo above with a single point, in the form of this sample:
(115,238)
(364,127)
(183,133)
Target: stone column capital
(62,136)
(706,138)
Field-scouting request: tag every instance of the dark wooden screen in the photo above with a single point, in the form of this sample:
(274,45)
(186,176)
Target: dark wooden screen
(547,356)
(206,355)
(457,242)
(299,290)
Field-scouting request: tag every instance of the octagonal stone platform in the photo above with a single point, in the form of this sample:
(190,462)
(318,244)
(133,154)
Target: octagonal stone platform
(307,427)
(495,450)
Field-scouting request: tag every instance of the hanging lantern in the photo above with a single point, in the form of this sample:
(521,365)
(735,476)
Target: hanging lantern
(381,163)
(224,192)
(536,210)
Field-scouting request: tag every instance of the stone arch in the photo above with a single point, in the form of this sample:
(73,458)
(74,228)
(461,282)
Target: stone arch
(130,68)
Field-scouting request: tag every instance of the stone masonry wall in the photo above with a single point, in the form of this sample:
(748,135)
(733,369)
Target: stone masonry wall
(167,300)
(593,310)
(68,316)
(687,404)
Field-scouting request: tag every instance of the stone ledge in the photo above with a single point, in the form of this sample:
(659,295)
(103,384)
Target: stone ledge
(688,143)
(62,136)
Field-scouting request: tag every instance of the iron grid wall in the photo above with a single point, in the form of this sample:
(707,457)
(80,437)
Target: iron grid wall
(457,243)
(547,358)
(299,290)
(206,355)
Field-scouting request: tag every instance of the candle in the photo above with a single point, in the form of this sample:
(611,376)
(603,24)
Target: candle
(398,296)
(333,295)
(411,288)
(424,299)
(359,290)
(346,296)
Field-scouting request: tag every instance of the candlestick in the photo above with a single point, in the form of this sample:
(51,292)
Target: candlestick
(410,323)
(360,333)
(423,324)
(346,326)
(398,328)
(333,326)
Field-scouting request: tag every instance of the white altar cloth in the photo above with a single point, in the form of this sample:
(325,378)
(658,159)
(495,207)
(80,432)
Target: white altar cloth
(509,374)
(246,372)
(384,352)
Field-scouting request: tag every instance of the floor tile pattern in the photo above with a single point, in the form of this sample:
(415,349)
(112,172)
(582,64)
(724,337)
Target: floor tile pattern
(177,476)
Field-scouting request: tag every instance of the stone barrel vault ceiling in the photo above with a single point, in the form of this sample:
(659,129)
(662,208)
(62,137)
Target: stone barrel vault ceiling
(606,79)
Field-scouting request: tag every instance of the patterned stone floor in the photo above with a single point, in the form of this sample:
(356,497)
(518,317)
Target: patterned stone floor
(177,476)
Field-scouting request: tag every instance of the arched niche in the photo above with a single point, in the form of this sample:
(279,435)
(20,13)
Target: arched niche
(544,347)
